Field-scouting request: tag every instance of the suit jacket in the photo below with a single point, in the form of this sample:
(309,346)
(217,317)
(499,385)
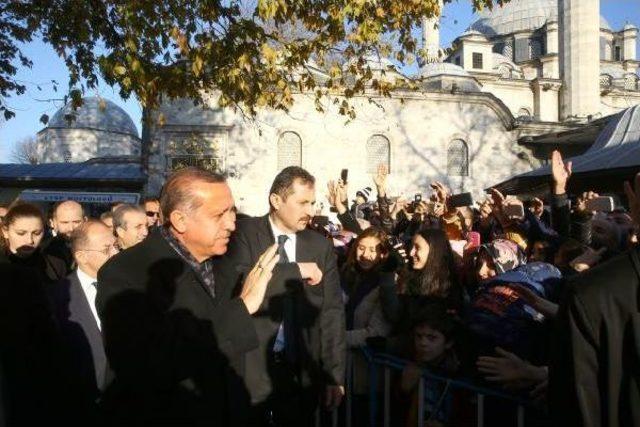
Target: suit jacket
(58,247)
(318,310)
(595,369)
(168,340)
(81,335)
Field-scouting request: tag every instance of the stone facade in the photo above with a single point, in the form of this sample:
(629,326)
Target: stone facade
(505,78)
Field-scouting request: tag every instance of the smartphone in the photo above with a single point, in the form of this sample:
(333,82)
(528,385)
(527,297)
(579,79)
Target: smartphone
(514,211)
(600,204)
(344,174)
(417,198)
(473,237)
(460,200)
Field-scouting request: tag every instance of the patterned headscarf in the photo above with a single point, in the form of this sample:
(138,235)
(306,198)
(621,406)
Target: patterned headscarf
(506,254)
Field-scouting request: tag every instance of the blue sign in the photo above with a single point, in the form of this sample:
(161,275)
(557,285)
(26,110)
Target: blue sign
(79,196)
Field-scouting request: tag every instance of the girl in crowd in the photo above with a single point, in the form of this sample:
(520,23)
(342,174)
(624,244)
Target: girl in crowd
(363,276)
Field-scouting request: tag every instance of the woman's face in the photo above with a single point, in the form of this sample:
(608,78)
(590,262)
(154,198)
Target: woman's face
(419,252)
(486,267)
(430,344)
(368,252)
(23,235)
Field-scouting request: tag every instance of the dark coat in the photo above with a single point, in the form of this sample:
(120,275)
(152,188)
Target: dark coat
(58,247)
(33,374)
(318,315)
(81,335)
(595,369)
(168,340)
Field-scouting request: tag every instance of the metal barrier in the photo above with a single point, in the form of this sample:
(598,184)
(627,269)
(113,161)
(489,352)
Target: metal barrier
(389,362)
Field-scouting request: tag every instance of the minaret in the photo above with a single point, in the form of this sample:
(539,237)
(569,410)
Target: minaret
(431,36)
(579,58)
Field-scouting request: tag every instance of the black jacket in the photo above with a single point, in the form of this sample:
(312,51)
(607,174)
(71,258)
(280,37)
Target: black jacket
(595,369)
(319,310)
(58,247)
(33,374)
(168,340)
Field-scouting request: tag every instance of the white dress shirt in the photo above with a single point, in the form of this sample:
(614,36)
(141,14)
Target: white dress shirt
(290,250)
(289,245)
(90,291)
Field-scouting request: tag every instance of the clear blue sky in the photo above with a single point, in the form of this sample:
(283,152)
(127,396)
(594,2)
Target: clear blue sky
(48,66)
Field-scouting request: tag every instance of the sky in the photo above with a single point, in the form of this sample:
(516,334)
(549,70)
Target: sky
(47,66)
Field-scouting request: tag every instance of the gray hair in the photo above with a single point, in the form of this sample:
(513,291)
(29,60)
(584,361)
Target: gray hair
(121,211)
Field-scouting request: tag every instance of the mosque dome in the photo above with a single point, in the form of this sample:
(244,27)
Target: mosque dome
(443,68)
(519,15)
(629,26)
(94,113)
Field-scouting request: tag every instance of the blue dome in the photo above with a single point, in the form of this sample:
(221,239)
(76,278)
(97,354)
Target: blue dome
(94,113)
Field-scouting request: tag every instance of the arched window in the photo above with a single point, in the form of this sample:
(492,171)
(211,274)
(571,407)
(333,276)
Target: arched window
(289,150)
(458,158)
(378,152)
(524,112)
(630,82)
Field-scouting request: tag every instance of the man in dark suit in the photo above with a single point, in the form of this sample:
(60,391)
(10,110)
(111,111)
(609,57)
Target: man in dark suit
(92,244)
(169,329)
(300,325)
(594,376)
(66,217)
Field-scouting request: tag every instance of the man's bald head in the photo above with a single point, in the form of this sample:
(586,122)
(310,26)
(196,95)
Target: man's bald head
(67,216)
(92,244)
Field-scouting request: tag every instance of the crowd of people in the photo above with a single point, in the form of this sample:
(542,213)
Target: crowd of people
(182,311)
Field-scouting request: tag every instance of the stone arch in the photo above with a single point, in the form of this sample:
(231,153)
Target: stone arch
(289,150)
(378,151)
(458,158)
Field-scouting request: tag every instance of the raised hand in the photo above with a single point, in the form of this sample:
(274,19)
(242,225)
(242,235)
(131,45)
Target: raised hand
(255,284)
(581,202)
(560,171)
(334,196)
(380,180)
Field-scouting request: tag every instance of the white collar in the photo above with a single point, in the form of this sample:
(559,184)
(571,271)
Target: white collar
(277,232)
(84,278)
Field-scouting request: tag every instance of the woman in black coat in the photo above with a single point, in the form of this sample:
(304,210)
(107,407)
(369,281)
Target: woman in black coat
(33,379)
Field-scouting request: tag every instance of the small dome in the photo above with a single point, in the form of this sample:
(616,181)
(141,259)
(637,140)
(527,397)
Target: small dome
(443,68)
(375,62)
(613,71)
(520,15)
(629,26)
(94,113)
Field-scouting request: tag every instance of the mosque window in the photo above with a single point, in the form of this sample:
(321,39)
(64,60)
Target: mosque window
(523,50)
(524,113)
(605,80)
(66,156)
(289,150)
(477,60)
(536,48)
(508,49)
(618,54)
(378,152)
(458,158)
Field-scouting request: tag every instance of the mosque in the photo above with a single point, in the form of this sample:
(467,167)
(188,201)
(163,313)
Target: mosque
(514,84)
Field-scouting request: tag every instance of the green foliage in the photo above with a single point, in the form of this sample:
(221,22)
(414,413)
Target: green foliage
(246,51)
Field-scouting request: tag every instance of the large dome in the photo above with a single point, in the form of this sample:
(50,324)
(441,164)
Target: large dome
(95,113)
(519,15)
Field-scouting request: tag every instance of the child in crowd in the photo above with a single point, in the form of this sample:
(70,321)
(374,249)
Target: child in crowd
(432,350)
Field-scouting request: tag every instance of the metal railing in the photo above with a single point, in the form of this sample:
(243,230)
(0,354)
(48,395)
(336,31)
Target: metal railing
(387,362)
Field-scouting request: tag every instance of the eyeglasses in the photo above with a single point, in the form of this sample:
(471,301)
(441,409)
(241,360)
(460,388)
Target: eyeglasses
(106,251)
(152,214)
